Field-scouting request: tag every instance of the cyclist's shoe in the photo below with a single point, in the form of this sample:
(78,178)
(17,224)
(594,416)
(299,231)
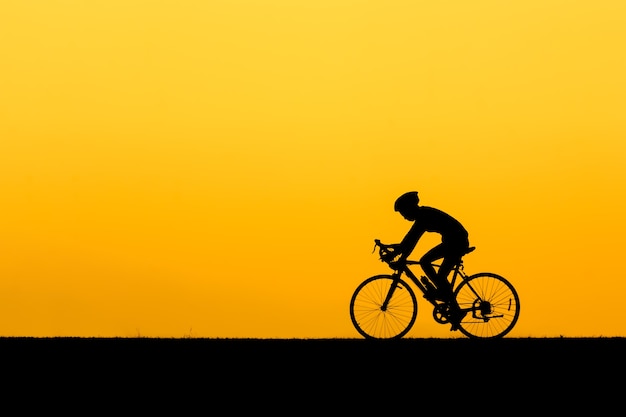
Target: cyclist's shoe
(455,319)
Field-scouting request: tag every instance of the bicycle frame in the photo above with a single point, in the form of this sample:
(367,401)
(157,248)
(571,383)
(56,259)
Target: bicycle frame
(456,273)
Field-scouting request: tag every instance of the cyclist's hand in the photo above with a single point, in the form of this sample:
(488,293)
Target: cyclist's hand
(388,256)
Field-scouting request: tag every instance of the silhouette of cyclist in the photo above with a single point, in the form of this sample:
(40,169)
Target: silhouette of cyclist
(454,244)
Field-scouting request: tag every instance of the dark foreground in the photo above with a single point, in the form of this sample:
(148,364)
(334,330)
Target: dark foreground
(296,376)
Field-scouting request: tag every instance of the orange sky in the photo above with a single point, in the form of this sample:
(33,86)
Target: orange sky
(220,169)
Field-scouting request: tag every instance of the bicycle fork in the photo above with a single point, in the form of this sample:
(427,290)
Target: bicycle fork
(392,289)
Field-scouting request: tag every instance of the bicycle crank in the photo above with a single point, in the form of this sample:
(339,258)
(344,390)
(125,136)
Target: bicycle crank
(441,313)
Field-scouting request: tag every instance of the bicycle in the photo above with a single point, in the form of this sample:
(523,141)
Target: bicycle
(385,306)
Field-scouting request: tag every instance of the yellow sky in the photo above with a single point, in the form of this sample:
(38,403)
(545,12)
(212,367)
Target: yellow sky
(220,168)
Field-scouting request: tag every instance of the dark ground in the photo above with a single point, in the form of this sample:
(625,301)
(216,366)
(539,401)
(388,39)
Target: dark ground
(311,376)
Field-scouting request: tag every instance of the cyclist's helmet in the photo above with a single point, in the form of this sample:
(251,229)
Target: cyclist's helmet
(406,200)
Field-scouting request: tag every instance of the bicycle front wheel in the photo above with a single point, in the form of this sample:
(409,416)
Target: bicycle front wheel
(371,319)
(492,304)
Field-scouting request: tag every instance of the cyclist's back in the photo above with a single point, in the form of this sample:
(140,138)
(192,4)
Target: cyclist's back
(429,219)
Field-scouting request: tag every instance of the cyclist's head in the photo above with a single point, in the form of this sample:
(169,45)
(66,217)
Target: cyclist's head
(406,203)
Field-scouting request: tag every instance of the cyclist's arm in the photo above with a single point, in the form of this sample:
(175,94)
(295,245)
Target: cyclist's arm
(409,242)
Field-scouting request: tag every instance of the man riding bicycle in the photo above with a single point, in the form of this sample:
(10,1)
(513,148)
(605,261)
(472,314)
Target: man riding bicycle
(454,244)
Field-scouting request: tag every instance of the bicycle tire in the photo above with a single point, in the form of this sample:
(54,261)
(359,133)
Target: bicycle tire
(494,303)
(370,320)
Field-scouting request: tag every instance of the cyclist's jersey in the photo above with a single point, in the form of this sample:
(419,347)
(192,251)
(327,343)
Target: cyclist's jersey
(430,219)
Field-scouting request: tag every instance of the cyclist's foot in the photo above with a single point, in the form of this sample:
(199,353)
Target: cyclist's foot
(455,320)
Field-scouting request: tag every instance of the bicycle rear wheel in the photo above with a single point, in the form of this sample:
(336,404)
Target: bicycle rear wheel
(493,306)
(367,315)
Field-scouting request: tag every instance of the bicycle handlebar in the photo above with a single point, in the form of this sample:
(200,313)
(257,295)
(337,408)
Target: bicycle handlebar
(384,250)
(379,244)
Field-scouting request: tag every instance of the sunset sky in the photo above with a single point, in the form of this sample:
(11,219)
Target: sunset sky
(221,168)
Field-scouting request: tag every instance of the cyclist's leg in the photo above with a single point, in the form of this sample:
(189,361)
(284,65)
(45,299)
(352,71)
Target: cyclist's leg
(453,258)
(441,280)
(452,252)
(438,252)
(450,257)
(428,258)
